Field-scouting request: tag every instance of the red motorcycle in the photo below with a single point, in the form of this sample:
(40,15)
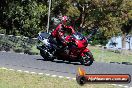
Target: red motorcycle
(76,50)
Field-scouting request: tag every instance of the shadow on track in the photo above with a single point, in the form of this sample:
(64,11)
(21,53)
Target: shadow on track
(40,59)
(67,62)
(61,61)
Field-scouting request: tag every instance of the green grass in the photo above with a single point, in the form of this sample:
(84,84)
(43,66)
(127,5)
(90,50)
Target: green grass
(13,79)
(33,49)
(101,55)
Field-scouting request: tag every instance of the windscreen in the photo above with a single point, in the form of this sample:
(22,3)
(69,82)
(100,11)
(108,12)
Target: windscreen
(78,36)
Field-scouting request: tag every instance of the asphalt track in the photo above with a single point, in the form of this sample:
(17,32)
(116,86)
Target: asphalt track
(33,63)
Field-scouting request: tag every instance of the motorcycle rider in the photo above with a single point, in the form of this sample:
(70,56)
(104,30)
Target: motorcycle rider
(60,31)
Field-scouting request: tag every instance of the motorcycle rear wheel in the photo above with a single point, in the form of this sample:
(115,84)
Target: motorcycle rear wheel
(87,60)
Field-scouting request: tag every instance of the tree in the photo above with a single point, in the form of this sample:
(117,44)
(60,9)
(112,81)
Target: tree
(24,17)
(126,30)
(125,20)
(109,15)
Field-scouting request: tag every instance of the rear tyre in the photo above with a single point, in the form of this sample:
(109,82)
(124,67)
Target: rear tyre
(87,59)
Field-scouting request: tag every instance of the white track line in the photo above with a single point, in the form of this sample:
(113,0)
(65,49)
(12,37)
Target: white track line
(4,68)
(53,75)
(47,74)
(113,84)
(68,77)
(11,69)
(26,71)
(19,70)
(33,72)
(61,76)
(40,73)
(74,78)
(120,85)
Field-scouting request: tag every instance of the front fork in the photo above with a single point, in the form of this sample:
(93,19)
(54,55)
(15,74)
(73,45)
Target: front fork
(89,53)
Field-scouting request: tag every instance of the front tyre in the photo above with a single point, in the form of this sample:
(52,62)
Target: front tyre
(43,54)
(46,55)
(87,59)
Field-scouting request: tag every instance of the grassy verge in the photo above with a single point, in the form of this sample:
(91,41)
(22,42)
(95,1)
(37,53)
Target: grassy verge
(108,56)
(34,49)
(12,79)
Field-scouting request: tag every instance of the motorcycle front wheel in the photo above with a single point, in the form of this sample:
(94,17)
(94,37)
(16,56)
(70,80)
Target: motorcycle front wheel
(87,59)
(46,55)
(42,53)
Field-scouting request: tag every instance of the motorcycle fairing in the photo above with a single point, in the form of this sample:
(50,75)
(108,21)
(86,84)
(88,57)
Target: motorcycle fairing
(84,51)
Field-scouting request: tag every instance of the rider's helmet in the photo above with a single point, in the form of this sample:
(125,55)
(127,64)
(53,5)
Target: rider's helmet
(66,21)
(66,25)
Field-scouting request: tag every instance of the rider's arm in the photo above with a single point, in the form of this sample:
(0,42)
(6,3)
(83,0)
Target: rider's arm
(61,35)
(55,32)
